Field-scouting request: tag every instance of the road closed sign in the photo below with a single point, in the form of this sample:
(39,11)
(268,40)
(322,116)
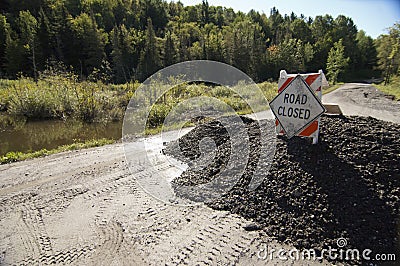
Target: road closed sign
(296,106)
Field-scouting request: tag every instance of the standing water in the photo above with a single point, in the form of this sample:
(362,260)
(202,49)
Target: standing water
(50,134)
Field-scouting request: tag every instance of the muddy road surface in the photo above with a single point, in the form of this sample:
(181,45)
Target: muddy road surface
(85,208)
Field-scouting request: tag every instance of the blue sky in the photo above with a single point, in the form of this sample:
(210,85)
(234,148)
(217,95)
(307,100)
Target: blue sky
(372,16)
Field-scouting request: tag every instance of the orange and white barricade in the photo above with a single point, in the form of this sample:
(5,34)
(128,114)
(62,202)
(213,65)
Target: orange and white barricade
(314,80)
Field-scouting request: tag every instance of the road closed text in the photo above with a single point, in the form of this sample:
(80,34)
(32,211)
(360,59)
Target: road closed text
(295,112)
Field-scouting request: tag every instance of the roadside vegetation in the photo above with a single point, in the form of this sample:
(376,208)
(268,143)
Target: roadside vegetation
(392,88)
(63,97)
(331,88)
(20,156)
(388,49)
(60,95)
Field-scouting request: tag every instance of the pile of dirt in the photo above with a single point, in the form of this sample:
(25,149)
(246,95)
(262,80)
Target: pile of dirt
(346,186)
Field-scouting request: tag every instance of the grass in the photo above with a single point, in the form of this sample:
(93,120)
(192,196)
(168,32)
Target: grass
(393,88)
(332,88)
(20,156)
(62,96)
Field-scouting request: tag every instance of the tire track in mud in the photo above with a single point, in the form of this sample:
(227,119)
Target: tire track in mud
(32,231)
(111,238)
(35,239)
(157,227)
(47,170)
(31,228)
(61,257)
(219,243)
(107,193)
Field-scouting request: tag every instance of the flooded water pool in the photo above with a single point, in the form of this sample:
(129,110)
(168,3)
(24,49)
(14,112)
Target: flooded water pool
(36,135)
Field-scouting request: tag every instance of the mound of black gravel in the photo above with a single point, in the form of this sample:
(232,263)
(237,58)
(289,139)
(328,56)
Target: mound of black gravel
(348,185)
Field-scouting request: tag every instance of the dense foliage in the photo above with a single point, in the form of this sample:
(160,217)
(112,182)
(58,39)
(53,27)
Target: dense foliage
(121,40)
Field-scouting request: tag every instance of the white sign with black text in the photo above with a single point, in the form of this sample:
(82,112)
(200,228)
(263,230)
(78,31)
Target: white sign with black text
(296,106)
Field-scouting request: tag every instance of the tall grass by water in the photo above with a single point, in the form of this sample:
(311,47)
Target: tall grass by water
(62,96)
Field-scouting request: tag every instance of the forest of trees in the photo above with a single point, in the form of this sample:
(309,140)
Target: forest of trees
(122,40)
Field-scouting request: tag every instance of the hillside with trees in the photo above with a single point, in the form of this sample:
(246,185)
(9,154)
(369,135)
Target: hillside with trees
(123,40)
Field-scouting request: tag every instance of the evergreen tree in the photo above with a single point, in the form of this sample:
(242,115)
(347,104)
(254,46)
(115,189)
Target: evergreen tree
(45,40)
(20,53)
(89,43)
(126,47)
(170,54)
(388,47)
(4,37)
(150,60)
(366,52)
(85,35)
(205,13)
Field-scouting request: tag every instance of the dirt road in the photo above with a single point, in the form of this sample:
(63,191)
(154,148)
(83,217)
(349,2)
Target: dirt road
(84,207)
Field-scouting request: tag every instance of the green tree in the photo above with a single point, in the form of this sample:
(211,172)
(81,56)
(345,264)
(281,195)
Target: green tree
(126,47)
(156,10)
(300,30)
(321,29)
(150,60)
(86,34)
(337,62)
(89,42)
(388,47)
(205,13)
(366,52)
(276,20)
(213,43)
(102,11)
(45,40)
(170,52)
(345,29)
(244,44)
(291,55)
(20,50)
(188,34)
(4,36)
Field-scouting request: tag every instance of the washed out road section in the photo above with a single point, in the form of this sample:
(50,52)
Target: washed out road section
(85,208)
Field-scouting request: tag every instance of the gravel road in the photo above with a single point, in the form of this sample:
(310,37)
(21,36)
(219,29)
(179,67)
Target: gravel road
(85,208)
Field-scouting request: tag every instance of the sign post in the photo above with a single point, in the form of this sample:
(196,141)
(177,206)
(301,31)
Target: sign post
(298,106)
